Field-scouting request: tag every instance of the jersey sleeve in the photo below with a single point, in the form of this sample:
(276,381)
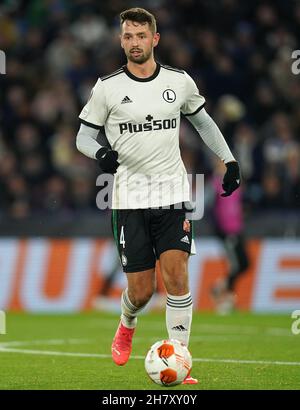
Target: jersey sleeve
(193,100)
(95,112)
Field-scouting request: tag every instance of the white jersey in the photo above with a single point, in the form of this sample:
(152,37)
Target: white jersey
(141,117)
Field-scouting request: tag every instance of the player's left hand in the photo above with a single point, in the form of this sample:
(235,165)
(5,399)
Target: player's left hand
(232,178)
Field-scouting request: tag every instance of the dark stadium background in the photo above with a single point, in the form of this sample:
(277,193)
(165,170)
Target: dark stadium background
(240,56)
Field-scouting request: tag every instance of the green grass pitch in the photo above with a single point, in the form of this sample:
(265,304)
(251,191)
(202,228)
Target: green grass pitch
(240,351)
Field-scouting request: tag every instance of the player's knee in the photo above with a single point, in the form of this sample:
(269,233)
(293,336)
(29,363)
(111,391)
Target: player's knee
(174,266)
(177,287)
(176,282)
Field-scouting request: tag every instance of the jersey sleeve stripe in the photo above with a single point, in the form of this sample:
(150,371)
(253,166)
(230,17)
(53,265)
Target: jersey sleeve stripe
(89,124)
(195,112)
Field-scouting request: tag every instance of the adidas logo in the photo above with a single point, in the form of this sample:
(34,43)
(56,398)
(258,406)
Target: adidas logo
(126,100)
(185,239)
(181,328)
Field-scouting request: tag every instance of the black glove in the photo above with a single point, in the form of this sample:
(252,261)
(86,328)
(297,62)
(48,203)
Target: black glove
(232,178)
(107,160)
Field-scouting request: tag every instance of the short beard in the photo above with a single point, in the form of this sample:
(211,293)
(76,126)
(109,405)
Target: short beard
(139,60)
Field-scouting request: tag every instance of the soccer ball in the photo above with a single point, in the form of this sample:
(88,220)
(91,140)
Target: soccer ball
(168,362)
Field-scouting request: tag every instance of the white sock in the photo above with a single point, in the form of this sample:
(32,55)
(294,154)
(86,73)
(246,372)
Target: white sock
(179,312)
(129,311)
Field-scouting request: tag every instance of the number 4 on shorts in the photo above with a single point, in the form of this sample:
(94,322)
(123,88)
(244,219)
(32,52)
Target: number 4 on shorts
(122,237)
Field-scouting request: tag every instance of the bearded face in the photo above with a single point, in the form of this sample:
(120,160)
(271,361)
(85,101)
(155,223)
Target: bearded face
(138,41)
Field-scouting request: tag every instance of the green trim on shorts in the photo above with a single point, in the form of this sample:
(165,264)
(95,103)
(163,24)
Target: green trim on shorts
(115,225)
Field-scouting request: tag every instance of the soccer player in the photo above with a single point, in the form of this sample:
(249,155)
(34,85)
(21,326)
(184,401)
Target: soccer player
(139,106)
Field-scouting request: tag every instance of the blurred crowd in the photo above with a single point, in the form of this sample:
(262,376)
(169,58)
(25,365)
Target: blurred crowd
(238,52)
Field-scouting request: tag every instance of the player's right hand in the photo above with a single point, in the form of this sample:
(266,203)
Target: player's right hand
(107,160)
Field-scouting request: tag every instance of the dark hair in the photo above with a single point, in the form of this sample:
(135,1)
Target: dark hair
(138,15)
